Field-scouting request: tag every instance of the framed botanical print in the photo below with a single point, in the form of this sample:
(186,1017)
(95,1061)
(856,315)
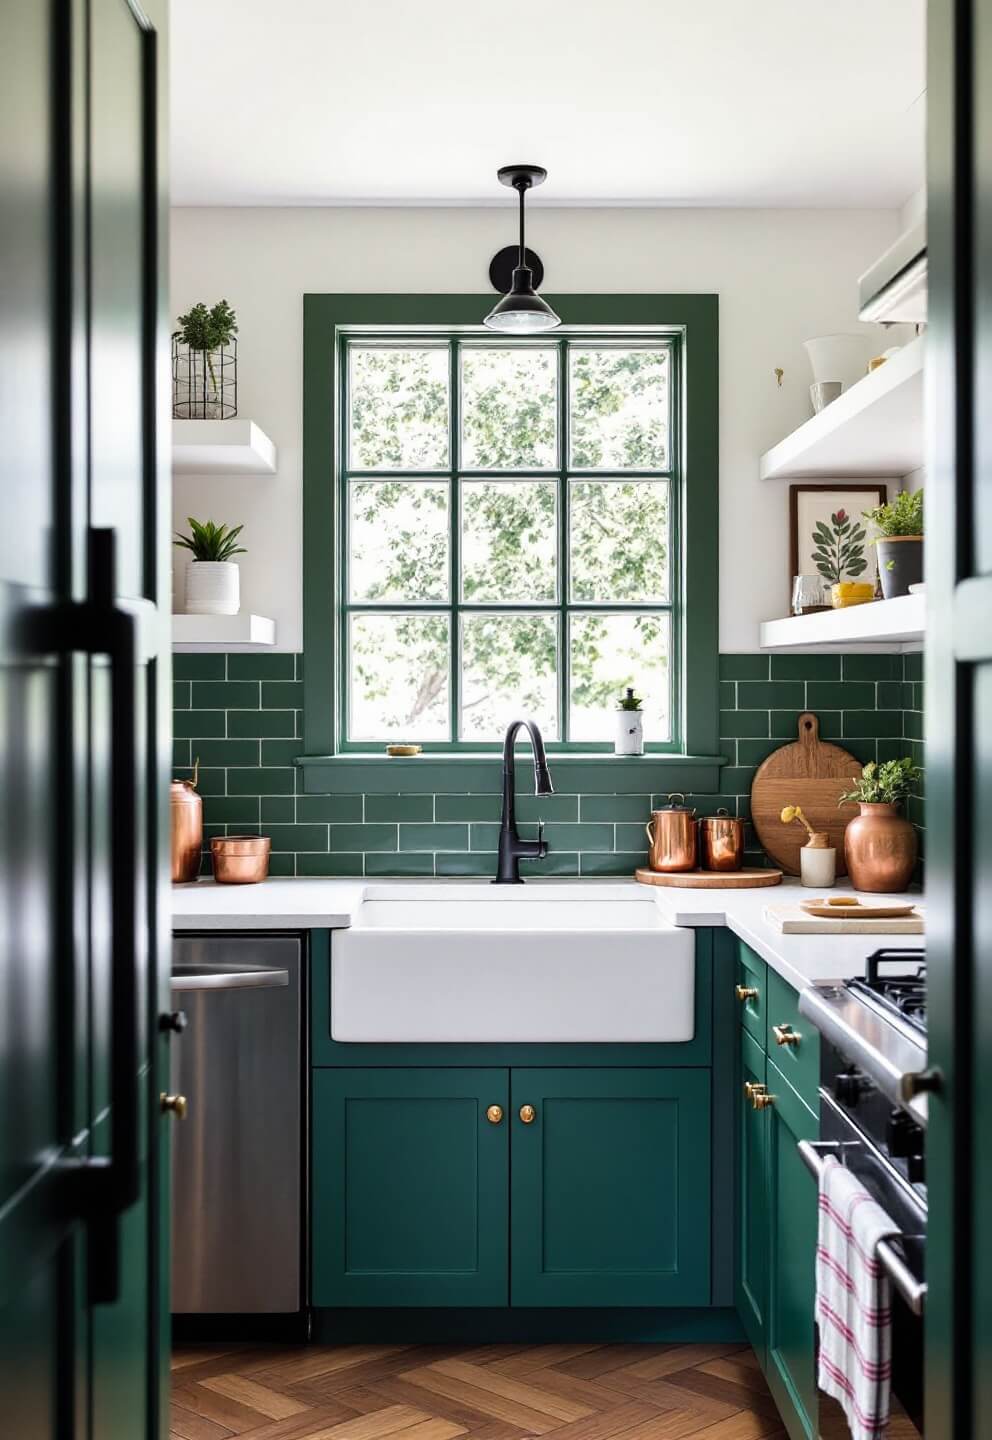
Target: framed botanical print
(828,535)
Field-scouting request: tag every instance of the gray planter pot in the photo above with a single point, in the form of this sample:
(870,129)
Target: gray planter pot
(900,563)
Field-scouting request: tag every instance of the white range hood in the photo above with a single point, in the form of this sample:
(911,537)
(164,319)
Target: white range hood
(895,287)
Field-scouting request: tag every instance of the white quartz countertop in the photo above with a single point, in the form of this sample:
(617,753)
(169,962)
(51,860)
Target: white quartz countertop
(307,904)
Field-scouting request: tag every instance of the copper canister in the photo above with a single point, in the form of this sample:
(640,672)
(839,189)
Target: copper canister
(186,809)
(721,839)
(671,833)
(240,859)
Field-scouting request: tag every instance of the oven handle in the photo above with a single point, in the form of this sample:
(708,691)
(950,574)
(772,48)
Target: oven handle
(913,1291)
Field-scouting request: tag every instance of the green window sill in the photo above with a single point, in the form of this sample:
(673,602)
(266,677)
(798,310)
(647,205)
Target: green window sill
(481,774)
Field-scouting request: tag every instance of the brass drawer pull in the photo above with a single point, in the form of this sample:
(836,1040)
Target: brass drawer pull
(746,992)
(754,1087)
(528,1114)
(785,1035)
(494,1114)
(762,1100)
(174,1105)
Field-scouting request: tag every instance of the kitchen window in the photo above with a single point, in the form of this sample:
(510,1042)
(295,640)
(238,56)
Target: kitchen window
(508,528)
(512,525)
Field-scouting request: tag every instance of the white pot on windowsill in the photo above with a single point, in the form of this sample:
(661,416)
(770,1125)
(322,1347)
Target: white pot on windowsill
(630,733)
(213,587)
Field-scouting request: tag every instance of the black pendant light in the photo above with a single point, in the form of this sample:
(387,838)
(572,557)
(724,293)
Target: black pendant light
(521,310)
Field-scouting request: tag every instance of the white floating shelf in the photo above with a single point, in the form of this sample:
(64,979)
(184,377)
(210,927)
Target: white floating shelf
(880,622)
(875,428)
(221,447)
(221,632)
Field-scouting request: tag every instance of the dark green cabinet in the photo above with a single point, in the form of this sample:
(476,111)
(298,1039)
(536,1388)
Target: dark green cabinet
(409,1187)
(611,1187)
(792,1225)
(752,1213)
(413,1203)
(776,1197)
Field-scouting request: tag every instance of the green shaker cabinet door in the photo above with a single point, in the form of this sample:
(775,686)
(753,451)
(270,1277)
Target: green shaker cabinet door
(610,1187)
(752,1200)
(409,1187)
(792,1230)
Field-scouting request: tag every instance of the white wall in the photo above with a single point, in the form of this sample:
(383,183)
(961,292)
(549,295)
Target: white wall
(781,276)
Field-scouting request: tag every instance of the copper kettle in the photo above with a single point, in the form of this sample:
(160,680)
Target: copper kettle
(187,827)
(672,835)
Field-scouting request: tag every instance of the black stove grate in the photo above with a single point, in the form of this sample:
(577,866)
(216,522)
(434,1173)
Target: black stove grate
(904,993)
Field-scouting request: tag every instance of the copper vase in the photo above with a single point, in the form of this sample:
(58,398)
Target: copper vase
(880,850)
(186,809)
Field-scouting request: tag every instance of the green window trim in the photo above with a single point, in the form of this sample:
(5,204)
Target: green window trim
(694,319)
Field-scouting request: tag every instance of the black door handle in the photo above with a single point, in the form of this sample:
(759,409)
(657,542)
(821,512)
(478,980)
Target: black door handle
(99,1188)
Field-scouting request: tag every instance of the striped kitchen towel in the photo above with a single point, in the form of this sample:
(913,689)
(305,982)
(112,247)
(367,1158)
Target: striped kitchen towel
(853,1303)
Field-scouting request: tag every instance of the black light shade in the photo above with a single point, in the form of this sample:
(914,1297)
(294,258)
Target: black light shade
(521,311)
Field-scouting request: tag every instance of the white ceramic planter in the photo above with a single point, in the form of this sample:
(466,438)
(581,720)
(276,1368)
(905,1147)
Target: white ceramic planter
(817,867)
(630,733)
(841,358)
(213,587)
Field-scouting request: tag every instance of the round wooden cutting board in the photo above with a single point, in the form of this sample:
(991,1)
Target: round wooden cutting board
(810,773)
(746,879)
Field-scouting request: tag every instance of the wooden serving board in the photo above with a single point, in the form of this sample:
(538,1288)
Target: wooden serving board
(810,773)
(746,879)
(794,920)
(858,911)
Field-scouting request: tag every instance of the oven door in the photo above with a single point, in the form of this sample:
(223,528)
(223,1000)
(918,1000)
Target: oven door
(903,1258)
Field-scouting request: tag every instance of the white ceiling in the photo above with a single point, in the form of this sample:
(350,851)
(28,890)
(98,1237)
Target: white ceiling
(696,102)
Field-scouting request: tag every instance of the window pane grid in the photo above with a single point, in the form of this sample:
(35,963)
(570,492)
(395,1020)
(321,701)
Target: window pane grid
(457,609)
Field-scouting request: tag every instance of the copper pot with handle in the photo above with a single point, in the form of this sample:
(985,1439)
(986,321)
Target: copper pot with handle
(721,841)
(671,834)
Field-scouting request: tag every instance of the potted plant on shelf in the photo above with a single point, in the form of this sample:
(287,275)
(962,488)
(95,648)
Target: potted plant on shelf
(879,843)
(899,542)
(205,363)
(212,579)
(630,725)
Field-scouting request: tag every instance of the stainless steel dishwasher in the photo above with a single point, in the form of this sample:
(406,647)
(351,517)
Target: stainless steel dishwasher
(237,1161)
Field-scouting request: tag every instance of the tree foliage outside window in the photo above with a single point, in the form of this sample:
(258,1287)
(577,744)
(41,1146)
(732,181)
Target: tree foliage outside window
(507,539)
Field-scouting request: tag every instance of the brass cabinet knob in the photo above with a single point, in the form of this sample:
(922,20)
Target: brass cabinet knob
(174,1105)
(754,1087)
(494,1114)
(528,1114)
(746,992)
(761,1100)
(785,1035)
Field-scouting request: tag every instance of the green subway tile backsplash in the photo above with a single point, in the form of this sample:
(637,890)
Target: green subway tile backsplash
(241,716)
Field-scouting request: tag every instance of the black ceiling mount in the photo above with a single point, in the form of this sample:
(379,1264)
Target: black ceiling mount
(526,175)
(505,261)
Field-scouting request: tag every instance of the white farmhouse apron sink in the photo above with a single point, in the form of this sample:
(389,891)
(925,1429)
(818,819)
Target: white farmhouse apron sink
(457,963)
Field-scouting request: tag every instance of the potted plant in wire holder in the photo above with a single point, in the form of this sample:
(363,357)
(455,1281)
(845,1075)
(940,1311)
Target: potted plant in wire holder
(205,364)
(899,542)
(212,579)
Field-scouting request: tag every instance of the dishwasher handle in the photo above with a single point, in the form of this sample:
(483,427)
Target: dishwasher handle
(205,977)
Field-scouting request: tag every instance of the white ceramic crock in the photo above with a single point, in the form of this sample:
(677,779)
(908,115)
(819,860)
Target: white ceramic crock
(630,733)
(213,587)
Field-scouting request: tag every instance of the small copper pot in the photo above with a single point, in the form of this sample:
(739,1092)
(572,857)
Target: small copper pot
(186,809)
(672,836)
(880,850)
(721,841)
(240,859)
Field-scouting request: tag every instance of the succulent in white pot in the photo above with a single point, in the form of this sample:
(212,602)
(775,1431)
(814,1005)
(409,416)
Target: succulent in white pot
(630,726)
(213,580)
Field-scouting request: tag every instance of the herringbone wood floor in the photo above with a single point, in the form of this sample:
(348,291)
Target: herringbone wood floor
(493,1392)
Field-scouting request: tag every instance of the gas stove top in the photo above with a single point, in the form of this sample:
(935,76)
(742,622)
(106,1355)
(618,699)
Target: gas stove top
(878,1024)
(902,995)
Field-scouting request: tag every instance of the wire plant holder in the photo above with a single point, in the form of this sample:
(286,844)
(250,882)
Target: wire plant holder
(204,382)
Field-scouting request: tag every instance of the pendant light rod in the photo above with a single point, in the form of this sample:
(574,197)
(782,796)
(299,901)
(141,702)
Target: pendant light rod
(522,187)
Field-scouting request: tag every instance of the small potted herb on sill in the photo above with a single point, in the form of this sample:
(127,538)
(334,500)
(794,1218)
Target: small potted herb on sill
(213,580)
(205,363)
(880,844)
(630,725)
(899,542)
